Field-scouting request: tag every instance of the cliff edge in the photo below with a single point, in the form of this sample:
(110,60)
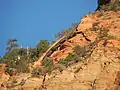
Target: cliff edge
(95,46)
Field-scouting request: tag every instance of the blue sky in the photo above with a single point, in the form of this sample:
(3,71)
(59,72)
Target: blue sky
(30,21)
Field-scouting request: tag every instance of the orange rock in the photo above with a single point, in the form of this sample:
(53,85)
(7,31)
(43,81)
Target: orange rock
(2,68)
(114,43)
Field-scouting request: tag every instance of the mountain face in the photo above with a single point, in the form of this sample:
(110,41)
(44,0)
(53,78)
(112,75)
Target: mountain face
(98,67)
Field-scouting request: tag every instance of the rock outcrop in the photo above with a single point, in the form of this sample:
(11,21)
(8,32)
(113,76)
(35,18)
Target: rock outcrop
(100,32)
(102,69)
(3,76)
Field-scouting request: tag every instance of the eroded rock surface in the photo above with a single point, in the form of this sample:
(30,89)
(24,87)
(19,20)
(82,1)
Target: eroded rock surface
(100,71)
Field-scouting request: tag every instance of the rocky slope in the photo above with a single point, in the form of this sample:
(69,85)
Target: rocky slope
(101,70)
(100,33)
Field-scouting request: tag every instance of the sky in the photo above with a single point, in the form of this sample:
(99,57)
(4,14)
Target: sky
(30,21)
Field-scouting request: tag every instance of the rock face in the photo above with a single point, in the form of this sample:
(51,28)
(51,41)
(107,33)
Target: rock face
(108,20)
(3,76)
(78,39)
(100,71)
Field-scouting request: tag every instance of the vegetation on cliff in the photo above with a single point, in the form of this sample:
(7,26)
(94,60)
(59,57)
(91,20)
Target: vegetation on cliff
(18,59)
(95,53)
(108,5)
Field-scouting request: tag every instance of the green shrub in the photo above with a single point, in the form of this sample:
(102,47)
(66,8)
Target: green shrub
(37,72)
(111,6)
(1,60)
(13,60)
(80,51)
(77,55)
(11,71)
(22,65)
(111,37)
(42,46)
(103,33)
(19,58)
(70,59)
(92,44)
(59,66)
(48,65)
(64,62)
